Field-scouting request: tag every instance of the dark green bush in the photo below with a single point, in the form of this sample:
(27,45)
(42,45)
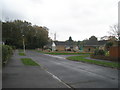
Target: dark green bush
(99,52)
(13,47)
(108,45)
(6,53)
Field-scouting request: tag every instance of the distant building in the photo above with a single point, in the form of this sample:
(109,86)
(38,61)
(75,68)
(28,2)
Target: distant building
(53,47)
(91,46)
(70,45)
(62,46)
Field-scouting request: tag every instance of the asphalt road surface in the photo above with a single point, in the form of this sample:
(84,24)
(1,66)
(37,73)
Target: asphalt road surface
(68,74)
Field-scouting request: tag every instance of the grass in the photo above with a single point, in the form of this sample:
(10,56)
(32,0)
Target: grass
(29,61)
(55,53)
(103,63)
(22,54)
(20,50)
(63,53)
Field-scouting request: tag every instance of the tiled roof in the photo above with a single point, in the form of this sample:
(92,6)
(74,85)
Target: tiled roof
(60,43)
(65,43)
(97,43)
(102,42)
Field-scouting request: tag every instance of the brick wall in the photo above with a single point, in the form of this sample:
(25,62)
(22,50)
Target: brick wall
(60,47)
(86,49)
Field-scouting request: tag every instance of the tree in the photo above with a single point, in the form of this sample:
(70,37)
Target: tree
(70,39)
(93,38)
(108,45)
(34,36)
(114,31)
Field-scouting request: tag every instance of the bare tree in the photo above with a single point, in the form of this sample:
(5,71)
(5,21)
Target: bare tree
(104,38)
(114,31)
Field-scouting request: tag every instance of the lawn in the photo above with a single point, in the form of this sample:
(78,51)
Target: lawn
(63,53)
(103,63)
(29,61)
(22,54)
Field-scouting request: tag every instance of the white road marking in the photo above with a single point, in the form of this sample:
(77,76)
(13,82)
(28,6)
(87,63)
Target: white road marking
(55,77)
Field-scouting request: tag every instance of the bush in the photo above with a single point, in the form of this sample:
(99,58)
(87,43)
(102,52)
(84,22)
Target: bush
(108,45)
(13,47)
(99,52)
(6,53)
(107,53)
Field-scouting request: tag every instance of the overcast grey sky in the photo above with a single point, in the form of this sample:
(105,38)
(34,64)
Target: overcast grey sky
(77,18)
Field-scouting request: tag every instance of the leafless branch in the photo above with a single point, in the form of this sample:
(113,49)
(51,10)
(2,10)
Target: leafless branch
(114,31)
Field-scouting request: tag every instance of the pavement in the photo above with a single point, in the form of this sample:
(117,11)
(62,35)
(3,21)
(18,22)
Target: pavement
(56,72)
(17,75)
(0,78)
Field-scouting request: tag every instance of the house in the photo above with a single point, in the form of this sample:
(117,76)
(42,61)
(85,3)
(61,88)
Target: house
(53,47)
(61,46)
(65,46)
(90,46)
(69,45)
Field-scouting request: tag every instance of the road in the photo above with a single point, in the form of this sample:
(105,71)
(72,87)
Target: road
(77,74)
(72,74)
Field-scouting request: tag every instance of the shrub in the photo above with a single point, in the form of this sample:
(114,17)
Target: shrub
(108,45)
(13,47)
(99,52)
(107,53)
(6,53)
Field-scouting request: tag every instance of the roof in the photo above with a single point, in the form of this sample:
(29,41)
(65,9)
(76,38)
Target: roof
(102,42)
(88,43)
(65,43)
(59,43)
(53,44)
(97,43)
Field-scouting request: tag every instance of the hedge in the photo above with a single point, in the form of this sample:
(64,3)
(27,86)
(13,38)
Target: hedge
(7,52)
(99,52)
(105,57)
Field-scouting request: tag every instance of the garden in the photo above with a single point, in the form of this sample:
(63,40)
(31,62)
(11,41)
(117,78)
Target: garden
(102,57)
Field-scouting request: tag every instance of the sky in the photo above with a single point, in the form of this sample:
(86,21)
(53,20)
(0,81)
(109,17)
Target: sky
(79,19)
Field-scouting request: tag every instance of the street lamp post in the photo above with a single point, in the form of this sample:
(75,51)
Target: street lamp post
(23,44)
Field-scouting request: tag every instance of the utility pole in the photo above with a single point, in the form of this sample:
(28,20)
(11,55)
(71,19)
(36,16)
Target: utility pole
(23,44)
(55,37)
(23,38)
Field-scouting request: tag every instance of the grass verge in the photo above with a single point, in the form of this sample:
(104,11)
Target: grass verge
(22,54)
(29,61)
(63,53)
(103,63)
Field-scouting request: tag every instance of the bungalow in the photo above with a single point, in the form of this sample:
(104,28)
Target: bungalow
(65,46)
(61,46)
(91,46)
(69,45)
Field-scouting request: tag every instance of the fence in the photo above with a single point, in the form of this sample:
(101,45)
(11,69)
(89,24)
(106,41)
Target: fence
(115,52)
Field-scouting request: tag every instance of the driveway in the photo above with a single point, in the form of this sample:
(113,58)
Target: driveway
(60,72)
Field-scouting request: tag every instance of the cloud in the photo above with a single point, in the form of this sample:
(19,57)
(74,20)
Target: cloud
(77,18)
